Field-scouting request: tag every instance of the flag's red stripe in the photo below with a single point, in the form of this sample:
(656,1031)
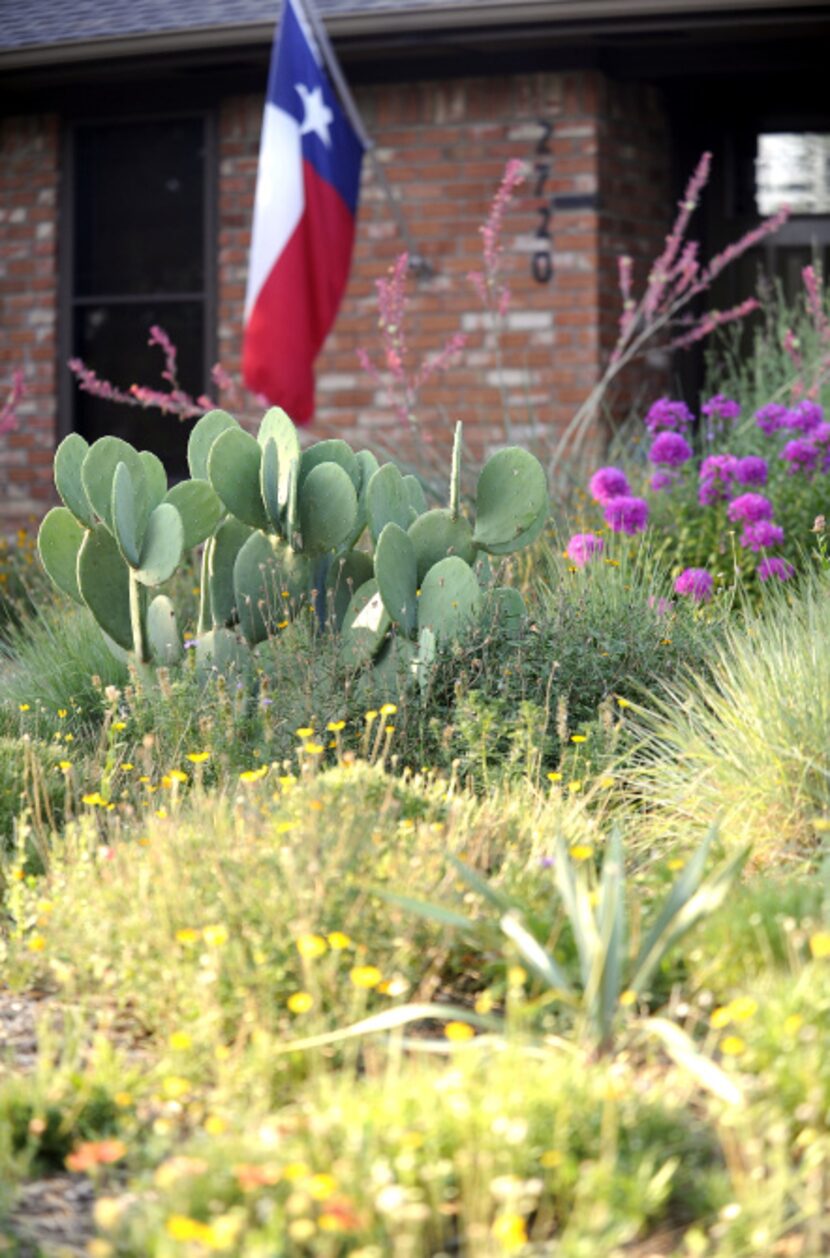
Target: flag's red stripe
(297,303)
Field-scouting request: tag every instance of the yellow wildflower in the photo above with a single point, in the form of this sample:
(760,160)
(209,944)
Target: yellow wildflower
(300,1002)
(311,946)
(215,936)
(581,852)
(820,944)
(365,976)
(198,757)
(510,1232)
(457,1032)
(338,941)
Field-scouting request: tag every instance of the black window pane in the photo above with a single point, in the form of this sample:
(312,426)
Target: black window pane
(139,208)
(112,339)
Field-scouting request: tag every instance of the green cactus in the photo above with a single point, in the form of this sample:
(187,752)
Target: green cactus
(346,574)
(202,436)
(396,569)
(69,458)
(163,637)
(220,651)
(269,483)
(436,535)
(233,470)
(365,626)
(124,516)
(417,497)
(199,507)
(328,507)
(450,598)
(98,472)
(104,584)
(331,451)
(511,495)
(218,590)
(264,572)
(387,499)
(59,541)
(161,547)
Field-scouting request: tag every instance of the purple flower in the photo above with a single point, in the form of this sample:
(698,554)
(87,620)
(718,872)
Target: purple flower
(669,416)
(821,435)
(716,474)
(721,407)
(697,583)
(772,566)
(662,480)
(608,483)
(749,508)
(751,470)
(626,515)
(805,417)
(771,417)
(801,455)
(582,547)
(670,449)
(761,534)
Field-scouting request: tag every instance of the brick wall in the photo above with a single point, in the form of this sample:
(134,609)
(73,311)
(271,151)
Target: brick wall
(28,309)
(444,148)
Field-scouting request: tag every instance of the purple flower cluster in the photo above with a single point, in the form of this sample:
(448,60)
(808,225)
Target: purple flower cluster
(582,547)
(801,455)
(771,417)
(608,483)
(805,417)
(695,583)
(749,509)
(670,449)
(774,566)
(720,407)
(717,472)
(626,515)
(761,535)
(662,480)
(751,470)
(665,415)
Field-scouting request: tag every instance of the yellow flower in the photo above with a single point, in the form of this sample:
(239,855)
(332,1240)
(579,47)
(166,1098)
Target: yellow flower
(389,709)
(174,1087)
(720,1017)
(675,864)
(62,713)
(484,1003)
(119,725)
(627,998)
(24,707)
(181,1228)
(574,787)
(306,731)
(605,783)
(334,727)
(365,976)
(457,1032)
(510,1232)
(820,944)
(742,1008)
(198,757)
(624,703)
(313,749)
(176,775)
(733,1045)
(187,935)
(123,1100)
(37,943)
(371,714)
(161,813)
(214,1125)
(64,765)
(215,936)
(338,941)
(311,946)
(126,766)
(793,1024)
(300,1002)
(95,800)
(321,1187)
(579,738)
(254,775)
(551,1158)
(554,777)
(581,852)
(179,1041)
(69,738)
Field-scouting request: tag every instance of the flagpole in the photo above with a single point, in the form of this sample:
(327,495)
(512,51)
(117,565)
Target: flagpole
(417,262)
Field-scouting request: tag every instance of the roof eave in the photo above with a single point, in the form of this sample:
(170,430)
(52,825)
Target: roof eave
(374,23)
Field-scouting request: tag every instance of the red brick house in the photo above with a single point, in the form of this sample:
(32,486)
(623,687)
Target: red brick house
(129,134)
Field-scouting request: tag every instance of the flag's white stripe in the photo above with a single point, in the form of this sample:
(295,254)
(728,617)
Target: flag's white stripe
(279,200)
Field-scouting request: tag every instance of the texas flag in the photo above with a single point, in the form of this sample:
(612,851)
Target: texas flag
(304,222)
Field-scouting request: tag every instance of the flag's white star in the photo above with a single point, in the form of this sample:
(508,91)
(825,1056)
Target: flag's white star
(318,117)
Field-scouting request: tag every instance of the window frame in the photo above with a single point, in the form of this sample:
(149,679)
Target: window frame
(67,388)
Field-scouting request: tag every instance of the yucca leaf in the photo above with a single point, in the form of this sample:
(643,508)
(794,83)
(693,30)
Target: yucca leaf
(423,908)
(577,903)
(480,884)
(606,977)
(705,900)
(390,1020)
(684,887)
(684,1053)
(533,954)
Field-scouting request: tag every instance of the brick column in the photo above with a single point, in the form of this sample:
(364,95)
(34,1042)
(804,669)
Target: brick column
(28,310)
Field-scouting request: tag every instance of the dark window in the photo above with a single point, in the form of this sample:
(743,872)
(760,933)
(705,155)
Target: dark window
(139,249)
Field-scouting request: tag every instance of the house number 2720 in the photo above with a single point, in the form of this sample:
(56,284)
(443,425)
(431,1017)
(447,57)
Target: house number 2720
(541,262)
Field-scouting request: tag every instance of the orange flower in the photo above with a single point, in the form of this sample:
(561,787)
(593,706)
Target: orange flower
(95,1153)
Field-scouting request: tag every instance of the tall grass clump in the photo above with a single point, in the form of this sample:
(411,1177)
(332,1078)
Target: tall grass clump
(748,746)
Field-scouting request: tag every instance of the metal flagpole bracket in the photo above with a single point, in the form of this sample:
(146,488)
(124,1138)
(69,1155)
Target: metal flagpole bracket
(418,264)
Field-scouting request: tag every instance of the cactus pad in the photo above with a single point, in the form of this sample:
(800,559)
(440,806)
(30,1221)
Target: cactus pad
(163,635)
(346,574)
(233,471)
(328,508)
(269,482)
(450,598)
(387,499)
(227,542)
(58,542)
(365,626)
(220,651)
(69,458)
(396,569)
(98,471)
(104,583)
(202,436)
(161,549)
(510,495)
(436,535)
(332,451)
(200,508)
